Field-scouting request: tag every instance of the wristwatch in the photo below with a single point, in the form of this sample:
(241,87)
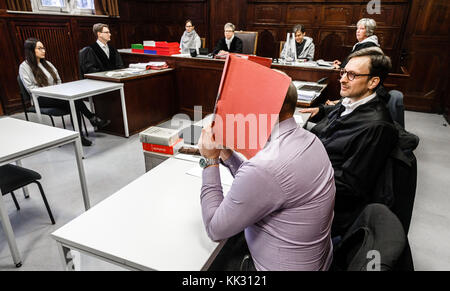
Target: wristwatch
(204,162)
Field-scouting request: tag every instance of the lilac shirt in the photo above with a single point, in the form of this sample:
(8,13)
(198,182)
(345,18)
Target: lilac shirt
(284,200)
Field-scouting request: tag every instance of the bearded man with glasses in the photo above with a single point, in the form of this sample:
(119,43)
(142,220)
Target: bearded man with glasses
(358,133)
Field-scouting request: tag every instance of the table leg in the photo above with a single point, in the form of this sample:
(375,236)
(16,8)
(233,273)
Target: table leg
(66,257)
(91,104)
(36,107)
(84,190)
(75,122)
(7,228)
(124,111)
(26,194)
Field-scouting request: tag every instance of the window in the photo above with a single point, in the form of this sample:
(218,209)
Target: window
(51,5)
(64,6)
(86,4)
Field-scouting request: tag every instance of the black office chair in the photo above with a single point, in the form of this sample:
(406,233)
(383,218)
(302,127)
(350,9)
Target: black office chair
(375,229)
(13,177)
(49,111)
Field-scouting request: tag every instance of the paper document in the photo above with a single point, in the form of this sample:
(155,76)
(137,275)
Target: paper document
(225,175)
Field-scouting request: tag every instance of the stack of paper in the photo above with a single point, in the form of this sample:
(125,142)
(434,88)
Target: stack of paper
(149,66)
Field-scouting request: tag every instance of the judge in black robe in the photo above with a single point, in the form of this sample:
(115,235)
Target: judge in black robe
(235,46)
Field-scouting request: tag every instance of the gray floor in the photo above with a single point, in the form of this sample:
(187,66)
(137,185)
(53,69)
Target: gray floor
(113,162)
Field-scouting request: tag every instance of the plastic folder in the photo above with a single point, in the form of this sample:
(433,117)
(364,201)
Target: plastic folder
(248,103)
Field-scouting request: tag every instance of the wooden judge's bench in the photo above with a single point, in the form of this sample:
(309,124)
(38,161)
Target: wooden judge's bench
(153,98)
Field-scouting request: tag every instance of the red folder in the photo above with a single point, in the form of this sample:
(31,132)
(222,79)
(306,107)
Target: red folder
(248,103)
(266,62)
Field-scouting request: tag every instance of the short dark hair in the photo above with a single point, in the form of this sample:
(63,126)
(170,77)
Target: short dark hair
(290,101)
(98,27)
(189,21)
(380,64)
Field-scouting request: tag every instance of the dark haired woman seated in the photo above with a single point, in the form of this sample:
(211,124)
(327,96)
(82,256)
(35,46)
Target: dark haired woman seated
(35,72)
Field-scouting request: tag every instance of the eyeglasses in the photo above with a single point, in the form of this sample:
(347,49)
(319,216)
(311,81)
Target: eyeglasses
(187,26)
(351,75)
(41,48)
(229,30)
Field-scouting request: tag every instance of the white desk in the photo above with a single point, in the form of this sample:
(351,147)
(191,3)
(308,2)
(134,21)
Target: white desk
(75,90)
(154,223)
(20,139)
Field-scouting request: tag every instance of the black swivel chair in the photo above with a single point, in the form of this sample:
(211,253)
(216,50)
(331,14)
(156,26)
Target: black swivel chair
(376,228)
(49,111)
(13,177)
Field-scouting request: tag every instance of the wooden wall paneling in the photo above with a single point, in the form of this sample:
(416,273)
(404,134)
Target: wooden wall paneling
(9,89)
(426,46)
(336,14)
(330,44)
(267,43)
(57,40)
(301,14)
(387,16)
(264,14)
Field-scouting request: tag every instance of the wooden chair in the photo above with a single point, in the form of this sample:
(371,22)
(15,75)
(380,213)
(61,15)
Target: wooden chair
(249,41)
(203,41)
(281,46)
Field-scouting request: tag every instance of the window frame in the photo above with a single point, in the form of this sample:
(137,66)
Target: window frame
(41,8)
(70,7)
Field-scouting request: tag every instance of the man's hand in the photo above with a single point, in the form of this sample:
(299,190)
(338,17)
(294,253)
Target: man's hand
(329,102)
(222,52)
(207,145)
(313,111)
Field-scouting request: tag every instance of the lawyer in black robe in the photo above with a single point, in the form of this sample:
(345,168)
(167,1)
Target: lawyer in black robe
(94,59)
(358,145)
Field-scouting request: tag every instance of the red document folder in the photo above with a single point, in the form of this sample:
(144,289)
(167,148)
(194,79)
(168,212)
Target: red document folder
(267,62)
(248,103)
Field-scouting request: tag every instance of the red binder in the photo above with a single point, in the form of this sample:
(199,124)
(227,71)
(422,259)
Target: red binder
(248,103)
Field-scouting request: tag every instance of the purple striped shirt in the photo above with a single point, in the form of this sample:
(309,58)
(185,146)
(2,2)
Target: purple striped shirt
(283,197)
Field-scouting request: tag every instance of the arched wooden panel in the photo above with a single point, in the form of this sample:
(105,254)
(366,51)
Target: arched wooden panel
(330,45)
(267,46)
(58,42)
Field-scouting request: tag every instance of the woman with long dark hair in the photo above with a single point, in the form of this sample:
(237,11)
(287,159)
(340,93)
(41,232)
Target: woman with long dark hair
(36,71)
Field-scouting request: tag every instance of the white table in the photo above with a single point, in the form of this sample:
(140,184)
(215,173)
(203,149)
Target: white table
(76,90)
(154,223)
(20,139)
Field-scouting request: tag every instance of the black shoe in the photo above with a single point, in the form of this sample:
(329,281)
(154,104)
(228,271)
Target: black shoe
(98,122)
(85,141)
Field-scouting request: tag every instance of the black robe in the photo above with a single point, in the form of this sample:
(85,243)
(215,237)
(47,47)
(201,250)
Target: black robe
(358,146)
(95,59)
(235,46)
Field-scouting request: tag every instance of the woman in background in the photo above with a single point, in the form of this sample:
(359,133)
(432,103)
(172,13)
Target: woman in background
(190,38)
(365,29)
(36,72)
